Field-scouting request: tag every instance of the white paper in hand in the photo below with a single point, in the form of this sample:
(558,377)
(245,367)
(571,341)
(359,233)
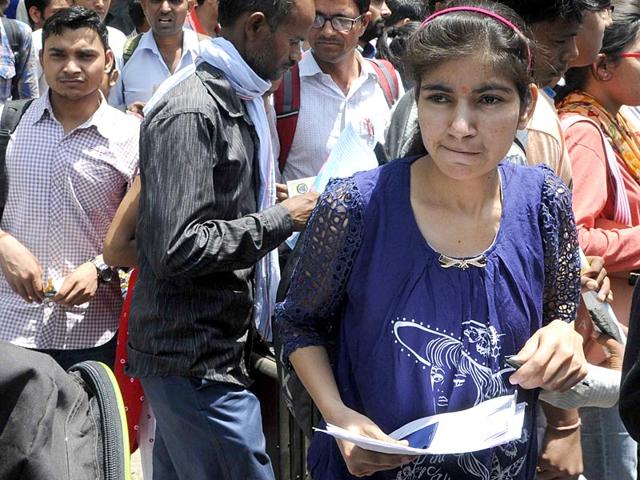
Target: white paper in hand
(488,424)
(349,155)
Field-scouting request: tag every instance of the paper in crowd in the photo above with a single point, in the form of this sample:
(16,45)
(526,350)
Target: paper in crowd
(488,424)
(350,155)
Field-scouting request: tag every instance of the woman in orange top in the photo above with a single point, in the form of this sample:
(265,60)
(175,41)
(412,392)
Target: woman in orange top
(604,146)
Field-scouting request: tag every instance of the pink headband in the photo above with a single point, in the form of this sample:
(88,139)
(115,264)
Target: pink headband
(482,11)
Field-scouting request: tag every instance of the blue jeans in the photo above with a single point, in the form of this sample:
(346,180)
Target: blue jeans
(206,429)
(608,451)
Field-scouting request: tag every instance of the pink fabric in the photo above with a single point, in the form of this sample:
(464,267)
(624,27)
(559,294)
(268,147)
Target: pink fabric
(622,211)
(594,201)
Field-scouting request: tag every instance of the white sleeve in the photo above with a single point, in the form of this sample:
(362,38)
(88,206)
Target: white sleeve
(600,388)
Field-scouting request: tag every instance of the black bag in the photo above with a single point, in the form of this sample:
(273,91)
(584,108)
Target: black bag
(59,425)
(14,35)
(11,115)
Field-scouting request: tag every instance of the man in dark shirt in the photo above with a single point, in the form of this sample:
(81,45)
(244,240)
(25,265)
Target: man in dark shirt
(200,236)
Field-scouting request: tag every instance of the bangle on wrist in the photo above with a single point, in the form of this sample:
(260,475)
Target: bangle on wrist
(565,428)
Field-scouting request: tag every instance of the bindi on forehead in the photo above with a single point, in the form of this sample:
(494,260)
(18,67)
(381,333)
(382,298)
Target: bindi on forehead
(465,90)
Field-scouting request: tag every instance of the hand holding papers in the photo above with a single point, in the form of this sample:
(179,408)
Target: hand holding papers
(350,155)
(488,424)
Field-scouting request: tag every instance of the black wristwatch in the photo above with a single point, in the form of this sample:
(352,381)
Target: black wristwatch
(105,273)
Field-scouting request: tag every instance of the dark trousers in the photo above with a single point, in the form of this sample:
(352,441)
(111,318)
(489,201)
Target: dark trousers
(105,353)
(206,430)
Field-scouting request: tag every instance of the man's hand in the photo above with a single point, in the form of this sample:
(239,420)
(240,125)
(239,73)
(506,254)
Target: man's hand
(282,192)
(614,351)
(560,455)
(300,208)
(21,269)
(361,462)
(552,359)
(79,287)
(137,108)
(595,279)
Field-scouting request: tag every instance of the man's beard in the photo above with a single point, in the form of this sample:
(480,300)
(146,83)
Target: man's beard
(373,30)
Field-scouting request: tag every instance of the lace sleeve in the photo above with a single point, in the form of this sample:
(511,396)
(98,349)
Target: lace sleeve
(333,236)
(561,255)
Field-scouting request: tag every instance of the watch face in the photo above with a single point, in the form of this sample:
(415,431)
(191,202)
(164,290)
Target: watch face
(107,275)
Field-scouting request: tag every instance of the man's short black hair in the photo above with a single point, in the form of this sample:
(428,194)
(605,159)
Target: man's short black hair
(39,4)
(414,10)
(597,5)
(363,6)
(537,11)
(74,18)
(276,11)
(136,13)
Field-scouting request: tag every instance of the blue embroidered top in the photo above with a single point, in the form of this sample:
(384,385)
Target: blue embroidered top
(413,338)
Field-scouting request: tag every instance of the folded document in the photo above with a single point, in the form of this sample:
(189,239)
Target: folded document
(488,424)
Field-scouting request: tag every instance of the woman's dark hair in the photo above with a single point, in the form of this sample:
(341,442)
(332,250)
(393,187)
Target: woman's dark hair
(536,11)
(622,32)
(392,45)
(461,34)
(74,18)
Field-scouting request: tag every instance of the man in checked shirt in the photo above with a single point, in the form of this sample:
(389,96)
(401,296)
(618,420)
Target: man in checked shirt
(68,165)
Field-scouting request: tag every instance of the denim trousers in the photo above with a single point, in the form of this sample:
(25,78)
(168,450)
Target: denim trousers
(206,430)
(608,451)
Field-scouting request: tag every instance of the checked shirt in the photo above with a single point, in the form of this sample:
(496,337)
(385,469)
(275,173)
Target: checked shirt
(63,191)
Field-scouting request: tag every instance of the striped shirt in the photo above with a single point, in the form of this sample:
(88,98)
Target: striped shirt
(63,191)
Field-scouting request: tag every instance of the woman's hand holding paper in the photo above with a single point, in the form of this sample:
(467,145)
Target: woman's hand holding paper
(552,359)
(360,462)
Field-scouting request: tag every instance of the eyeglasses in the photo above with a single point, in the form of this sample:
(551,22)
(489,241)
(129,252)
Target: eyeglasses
(630,55)
(338,23)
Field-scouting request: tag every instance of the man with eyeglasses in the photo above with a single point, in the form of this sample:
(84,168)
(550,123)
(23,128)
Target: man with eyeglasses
(338,87)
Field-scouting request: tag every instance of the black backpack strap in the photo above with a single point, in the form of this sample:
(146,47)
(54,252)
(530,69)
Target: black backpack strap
(11,115)
(14,36)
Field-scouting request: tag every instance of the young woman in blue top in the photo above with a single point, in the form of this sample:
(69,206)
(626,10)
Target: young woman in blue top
(419,278)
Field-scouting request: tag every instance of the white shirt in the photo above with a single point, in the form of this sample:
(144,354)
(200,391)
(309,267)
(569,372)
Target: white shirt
(146,70)
(21,12)
(63,191)
(325,111)
(117,39)
(632,114)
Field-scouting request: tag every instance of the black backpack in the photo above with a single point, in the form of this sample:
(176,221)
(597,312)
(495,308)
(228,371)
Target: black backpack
(15,38)
(11,115)
(60,425)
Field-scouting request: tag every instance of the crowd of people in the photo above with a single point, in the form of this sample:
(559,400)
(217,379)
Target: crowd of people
(157,160)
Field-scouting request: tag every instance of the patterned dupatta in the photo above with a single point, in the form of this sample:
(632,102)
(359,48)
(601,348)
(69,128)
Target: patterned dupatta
(624,137)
